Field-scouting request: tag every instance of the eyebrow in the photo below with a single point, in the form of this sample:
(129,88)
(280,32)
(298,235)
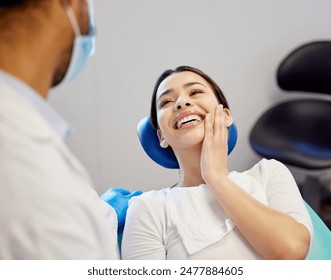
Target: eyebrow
(184,86)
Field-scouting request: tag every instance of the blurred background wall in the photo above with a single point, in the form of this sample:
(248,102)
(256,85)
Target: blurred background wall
(239,43)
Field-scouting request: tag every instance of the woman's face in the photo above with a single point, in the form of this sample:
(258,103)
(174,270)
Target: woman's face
(182,102)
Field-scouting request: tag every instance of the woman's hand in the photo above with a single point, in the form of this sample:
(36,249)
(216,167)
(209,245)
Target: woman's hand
(291,239)
(214,153)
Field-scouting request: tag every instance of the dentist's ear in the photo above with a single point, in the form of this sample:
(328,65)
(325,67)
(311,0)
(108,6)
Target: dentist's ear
(228,117)
(163,142)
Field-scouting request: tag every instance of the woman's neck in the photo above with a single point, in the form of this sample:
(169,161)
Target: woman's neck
(190,171)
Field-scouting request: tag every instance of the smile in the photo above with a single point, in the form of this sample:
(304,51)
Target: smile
(188,120)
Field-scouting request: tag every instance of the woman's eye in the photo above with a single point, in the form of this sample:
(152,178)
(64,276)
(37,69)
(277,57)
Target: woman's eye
(196,91)
(164,102)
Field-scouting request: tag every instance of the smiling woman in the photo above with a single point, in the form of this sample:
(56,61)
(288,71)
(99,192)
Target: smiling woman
(212,213)
(182,104)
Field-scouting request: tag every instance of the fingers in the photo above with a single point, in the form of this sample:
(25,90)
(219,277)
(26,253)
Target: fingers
(119,190)
(223,128)
(125,192)
(215,124)
(219,119)
(222,119)
(208,126)
(135,193)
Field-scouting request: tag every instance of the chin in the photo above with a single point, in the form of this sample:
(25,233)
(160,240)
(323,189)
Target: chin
(59,76)
(57,81)
(193,137)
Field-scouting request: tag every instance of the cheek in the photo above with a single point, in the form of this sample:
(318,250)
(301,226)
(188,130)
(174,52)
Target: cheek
(214,101)
(210,104)
(162,120)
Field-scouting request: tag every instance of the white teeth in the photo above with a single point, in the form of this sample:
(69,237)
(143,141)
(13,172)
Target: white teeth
(189,118)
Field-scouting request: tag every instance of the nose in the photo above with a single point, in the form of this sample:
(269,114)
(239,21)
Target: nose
(181,104)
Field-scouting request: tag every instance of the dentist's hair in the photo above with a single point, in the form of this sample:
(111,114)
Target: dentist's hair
(218,92)
(18,12)
(11,3)
(17,3)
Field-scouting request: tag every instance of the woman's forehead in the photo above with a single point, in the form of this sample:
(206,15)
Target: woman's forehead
(179,80)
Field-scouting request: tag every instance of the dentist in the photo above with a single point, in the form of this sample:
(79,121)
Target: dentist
(48,208)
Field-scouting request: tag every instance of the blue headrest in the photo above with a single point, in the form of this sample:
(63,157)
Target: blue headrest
(166,157)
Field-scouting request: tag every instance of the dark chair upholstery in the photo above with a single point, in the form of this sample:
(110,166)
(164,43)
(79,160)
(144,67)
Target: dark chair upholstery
(297,132)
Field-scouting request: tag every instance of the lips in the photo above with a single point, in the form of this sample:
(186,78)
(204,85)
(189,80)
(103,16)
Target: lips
(188,120)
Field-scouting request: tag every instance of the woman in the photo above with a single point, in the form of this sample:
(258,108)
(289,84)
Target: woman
(211,213)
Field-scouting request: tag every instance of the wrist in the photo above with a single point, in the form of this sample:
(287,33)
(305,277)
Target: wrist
(216,178)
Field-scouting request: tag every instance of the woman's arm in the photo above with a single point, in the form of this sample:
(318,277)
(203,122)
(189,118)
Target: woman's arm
(273,234)
(142,236)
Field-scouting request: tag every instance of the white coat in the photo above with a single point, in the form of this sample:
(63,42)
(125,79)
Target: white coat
(48,209)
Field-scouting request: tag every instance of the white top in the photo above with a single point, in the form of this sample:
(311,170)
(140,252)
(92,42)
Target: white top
(48,209)
(189,223)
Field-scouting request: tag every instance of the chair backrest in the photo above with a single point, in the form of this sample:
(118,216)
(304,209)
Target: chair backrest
(166,157)
(307,69)
(321,245)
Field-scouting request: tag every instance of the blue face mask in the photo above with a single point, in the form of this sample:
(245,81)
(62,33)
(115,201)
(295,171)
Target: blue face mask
(84,45)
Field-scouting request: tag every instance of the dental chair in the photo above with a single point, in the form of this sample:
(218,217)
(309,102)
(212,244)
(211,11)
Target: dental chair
(321,244)
(297,132)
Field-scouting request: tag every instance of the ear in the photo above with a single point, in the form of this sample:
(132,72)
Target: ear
(228,117)
(163,142)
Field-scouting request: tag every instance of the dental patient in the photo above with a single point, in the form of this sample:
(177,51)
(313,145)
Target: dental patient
(212,213)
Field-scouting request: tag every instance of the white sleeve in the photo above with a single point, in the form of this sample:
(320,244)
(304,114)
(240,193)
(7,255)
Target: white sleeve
(47,207)
(142,237)
(283,194)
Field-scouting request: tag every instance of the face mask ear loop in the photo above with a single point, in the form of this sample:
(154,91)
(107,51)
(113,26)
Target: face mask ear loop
(72,18)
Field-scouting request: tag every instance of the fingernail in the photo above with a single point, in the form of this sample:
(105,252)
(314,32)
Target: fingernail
(220,106)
